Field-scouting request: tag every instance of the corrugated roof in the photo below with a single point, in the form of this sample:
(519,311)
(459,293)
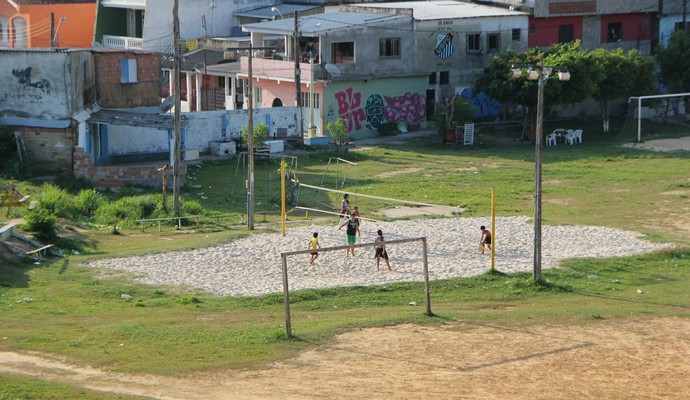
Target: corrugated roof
(266,13)
(115,117)
(313,25)
(445,9)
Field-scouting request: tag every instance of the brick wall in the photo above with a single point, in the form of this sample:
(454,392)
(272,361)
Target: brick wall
(117,176)
(49,149)
(146,92)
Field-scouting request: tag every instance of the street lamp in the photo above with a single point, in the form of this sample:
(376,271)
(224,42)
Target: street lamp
(295,37)
(541,74)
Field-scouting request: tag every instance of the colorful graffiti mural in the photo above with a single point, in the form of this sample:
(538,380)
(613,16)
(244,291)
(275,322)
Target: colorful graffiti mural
(485,106)
(408,107)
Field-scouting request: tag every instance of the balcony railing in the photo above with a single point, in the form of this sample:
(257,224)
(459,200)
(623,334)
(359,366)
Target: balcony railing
(133,4)
(123,42)
(277,69)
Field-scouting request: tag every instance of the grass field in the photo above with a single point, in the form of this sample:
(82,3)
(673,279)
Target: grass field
(67,310)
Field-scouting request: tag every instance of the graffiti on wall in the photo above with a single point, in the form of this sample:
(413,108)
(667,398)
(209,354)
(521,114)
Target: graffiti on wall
(485,106)
(24,78)
(408,107)
(350,109)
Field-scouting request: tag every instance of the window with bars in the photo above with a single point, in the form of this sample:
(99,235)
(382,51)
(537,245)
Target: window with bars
(474,42)
(305,99)
(389,48)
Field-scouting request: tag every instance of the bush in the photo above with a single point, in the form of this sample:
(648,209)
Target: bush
(57,201)
(339,133)
(88,201)
(191,207)
(43,223)
(126,209)
(260,134)
(10,165)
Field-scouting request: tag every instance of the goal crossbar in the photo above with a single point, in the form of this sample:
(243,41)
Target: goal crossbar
(639,107)
(286,290)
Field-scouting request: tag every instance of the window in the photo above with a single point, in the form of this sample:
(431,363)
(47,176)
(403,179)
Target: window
(679,26)
(532,28)
(474,43)
(343,53)
(444,78)
(306,102)
(615,32)
(516,35)
(258,97)
(432,78)
(128,71)
(389,48)
(493,42)
(565,34)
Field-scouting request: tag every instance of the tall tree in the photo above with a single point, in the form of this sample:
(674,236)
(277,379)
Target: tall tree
(675,63)
(624,75)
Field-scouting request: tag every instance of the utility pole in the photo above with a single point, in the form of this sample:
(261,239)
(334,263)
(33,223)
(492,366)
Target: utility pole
(52,30)
(178,136)
(298,72)
(685,16)
(250,142)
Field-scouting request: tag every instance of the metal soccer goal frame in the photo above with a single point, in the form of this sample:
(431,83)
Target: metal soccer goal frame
(286,290)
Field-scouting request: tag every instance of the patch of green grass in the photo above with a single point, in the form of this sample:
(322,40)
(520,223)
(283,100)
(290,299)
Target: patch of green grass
(22,388)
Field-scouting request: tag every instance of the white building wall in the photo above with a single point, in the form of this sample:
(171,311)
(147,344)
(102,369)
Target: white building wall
(217,14)
(39,84)
(124,140)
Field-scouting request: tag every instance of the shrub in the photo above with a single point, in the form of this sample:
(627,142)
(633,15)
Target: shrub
(339,133)
(191,207)
(126,210)
(88,201)
(43,223)
(10,164)
(260,134)
(57,201)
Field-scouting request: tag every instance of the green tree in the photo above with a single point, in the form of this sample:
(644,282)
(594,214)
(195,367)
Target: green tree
(498,83)
(674,62)
(624,75)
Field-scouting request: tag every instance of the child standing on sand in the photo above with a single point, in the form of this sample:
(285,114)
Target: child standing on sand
(381,250)
(314,244)
(485,239)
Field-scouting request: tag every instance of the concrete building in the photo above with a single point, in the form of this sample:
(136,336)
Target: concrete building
(671,18)
(380,63)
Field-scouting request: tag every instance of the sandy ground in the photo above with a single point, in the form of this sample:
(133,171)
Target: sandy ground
(677,144)
(640,358)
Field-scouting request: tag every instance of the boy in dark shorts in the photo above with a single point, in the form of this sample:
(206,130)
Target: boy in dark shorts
(314,244)
(485,239)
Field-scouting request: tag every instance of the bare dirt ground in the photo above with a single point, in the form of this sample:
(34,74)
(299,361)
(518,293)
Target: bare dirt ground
(643,358)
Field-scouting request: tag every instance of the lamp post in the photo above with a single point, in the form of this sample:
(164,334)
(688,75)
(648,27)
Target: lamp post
(541,74)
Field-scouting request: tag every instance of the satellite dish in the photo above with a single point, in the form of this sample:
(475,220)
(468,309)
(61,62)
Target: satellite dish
(168,104)
(333,70)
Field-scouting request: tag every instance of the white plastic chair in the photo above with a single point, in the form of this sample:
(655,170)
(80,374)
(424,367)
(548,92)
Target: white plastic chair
(578,135)
(570,138)
(551,139)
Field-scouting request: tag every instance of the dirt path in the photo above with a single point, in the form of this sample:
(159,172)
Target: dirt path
(637,358)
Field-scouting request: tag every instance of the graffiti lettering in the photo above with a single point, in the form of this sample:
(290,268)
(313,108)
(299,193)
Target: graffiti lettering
(486,106)
(408,107)
(350,109)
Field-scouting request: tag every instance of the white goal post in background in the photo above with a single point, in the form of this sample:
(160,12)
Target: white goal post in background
(286,291)
(639,107)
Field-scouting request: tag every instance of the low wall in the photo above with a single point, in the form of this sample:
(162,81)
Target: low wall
(117,176)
